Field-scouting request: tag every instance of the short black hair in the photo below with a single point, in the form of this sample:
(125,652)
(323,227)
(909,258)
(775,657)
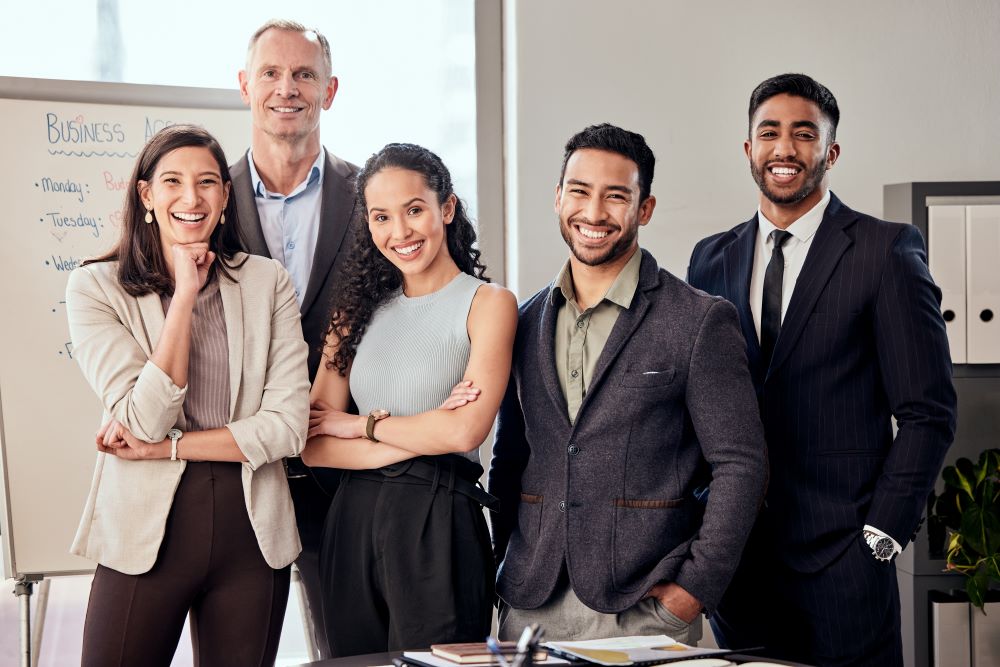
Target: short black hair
(607,137)
(798,85)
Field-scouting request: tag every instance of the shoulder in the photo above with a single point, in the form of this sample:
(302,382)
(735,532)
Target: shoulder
(240,167)
(675,294)
(492,301)
(97,275)
(339,167)
(255,270)
(713,245)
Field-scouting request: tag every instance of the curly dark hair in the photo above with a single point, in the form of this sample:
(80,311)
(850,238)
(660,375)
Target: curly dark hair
(371,279)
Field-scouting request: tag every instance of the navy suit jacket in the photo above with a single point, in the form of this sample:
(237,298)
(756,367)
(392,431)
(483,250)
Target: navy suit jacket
(862,341)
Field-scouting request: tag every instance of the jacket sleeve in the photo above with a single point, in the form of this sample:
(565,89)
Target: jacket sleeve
(723,409)
(510,457)
(278,428)
(915,364)
(132,389)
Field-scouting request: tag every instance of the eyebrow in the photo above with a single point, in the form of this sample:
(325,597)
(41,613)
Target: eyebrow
(799,123)
(204,173)
(615,188)
(415,199)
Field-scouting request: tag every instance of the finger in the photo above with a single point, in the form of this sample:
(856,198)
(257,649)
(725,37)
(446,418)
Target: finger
(314,431)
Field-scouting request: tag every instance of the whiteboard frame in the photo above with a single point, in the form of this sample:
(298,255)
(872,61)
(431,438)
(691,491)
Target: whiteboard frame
(90,92)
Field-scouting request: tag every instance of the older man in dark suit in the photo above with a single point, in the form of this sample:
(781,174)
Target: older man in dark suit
(629,457)
(843,332)
(295,202)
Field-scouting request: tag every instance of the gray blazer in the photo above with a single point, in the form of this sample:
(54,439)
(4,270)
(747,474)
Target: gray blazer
(332,246)
(662,474)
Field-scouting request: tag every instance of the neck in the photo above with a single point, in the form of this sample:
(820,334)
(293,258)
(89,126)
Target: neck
(591,283)
(436,276)
(783,215)
(283,165)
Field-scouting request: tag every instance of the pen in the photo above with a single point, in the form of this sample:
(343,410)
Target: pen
(494,648)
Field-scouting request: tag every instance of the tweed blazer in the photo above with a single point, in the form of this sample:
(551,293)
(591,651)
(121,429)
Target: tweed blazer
(114,336)
(618,498)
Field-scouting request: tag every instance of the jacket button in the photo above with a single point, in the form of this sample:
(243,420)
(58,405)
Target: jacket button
(573,450)
(562,505)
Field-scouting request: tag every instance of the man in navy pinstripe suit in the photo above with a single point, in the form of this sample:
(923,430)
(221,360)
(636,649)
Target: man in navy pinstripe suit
(844,332)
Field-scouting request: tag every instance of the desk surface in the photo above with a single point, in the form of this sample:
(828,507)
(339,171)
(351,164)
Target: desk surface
(375,659)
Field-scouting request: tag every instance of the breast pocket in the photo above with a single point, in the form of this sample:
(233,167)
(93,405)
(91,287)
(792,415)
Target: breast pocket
(640,377)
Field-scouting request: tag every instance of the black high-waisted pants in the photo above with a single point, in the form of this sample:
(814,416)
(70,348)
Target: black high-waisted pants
(404,564)
(209,564)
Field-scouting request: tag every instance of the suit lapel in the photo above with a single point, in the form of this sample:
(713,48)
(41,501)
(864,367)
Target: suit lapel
(232,309)
(151,309)
(829,244)
(626,325)
(336,211)
(545,345)
(246,208)
(737,268)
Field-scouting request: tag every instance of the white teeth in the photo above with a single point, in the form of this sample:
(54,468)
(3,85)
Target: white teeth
(591,234)
(285,109)
(784,171)
(410,249)
(189,217)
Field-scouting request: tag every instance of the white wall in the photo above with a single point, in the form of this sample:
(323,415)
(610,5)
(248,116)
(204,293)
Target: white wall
(918,83)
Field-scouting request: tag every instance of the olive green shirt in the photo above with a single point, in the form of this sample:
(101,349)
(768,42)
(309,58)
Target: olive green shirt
(580,336)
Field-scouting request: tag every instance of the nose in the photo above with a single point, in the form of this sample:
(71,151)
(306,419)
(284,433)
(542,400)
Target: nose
(784,147)
(595,210)
(189,193)
(400,230)
(287,86)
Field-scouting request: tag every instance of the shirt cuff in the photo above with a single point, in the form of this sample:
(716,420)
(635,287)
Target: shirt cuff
(896,549)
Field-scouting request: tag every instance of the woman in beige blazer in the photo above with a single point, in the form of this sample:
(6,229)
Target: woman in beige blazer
(195,350)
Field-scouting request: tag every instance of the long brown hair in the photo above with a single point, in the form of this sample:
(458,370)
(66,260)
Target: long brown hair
(142,267)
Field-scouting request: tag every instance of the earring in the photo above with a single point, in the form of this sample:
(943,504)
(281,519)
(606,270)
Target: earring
(222,219)
(149,216)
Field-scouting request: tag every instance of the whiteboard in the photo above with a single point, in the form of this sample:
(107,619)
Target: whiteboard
(68,149)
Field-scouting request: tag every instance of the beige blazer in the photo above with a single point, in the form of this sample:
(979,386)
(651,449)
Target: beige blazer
(114,335)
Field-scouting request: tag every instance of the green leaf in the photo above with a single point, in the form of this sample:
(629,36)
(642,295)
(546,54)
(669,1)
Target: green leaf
(955,479)
(976,587)
(973,529)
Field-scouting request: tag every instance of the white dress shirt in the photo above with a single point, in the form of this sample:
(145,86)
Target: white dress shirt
(795,250)
(291,222)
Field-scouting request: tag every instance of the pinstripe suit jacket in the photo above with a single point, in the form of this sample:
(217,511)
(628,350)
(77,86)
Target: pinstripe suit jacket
(862,341)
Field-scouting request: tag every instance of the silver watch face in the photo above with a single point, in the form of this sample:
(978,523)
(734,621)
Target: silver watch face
(174,434)
(883,549)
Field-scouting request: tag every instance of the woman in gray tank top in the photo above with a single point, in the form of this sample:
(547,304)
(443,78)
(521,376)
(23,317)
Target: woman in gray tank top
(422,344)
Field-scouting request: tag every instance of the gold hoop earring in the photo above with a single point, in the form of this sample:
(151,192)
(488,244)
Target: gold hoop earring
(222,219)
(149,216)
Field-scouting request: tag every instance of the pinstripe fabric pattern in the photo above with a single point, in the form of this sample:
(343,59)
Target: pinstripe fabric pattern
(206,404)
(414,351)
(862,341)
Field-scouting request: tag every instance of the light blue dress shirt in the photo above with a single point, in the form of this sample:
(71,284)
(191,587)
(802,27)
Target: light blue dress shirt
(291,222)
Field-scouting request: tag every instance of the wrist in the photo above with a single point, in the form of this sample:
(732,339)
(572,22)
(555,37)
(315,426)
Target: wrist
(361,424)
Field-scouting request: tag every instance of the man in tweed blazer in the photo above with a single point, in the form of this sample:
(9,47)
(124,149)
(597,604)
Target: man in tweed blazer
(843,332)
(629,457)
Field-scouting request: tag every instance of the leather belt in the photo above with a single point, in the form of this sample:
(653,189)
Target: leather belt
(436,472)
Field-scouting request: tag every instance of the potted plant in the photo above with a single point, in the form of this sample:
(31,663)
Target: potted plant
(969,510)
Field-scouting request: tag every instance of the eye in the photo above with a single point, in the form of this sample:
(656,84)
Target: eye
(577,191)
(267,74)
(208,181)
(414,210)
(768,134)
(380,218)
(806,136)
(616,195)
(173,180)
(308,76)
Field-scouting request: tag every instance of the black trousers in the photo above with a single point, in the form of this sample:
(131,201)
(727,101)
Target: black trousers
(209,564)
(405,564)
(846,614)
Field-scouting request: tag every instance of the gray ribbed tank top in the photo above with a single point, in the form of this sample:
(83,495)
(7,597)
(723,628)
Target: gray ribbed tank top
(415,350)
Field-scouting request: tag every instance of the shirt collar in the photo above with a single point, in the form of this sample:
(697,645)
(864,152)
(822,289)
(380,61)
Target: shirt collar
(315,176)
(621,292)
(802,229)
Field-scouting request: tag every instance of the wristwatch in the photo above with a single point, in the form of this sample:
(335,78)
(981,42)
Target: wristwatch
(882,546)
(374,416)
(174,434)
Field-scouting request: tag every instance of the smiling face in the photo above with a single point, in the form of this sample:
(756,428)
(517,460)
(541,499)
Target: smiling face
(407,223)
(286,85)
(187,196)
(599,208)
(790,152)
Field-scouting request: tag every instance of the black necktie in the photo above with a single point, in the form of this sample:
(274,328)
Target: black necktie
(770,310)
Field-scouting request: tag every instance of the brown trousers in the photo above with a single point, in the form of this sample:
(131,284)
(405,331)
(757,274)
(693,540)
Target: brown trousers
(210,565)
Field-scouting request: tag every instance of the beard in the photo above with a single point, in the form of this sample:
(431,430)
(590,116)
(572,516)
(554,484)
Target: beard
(813,179)
(596,257)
